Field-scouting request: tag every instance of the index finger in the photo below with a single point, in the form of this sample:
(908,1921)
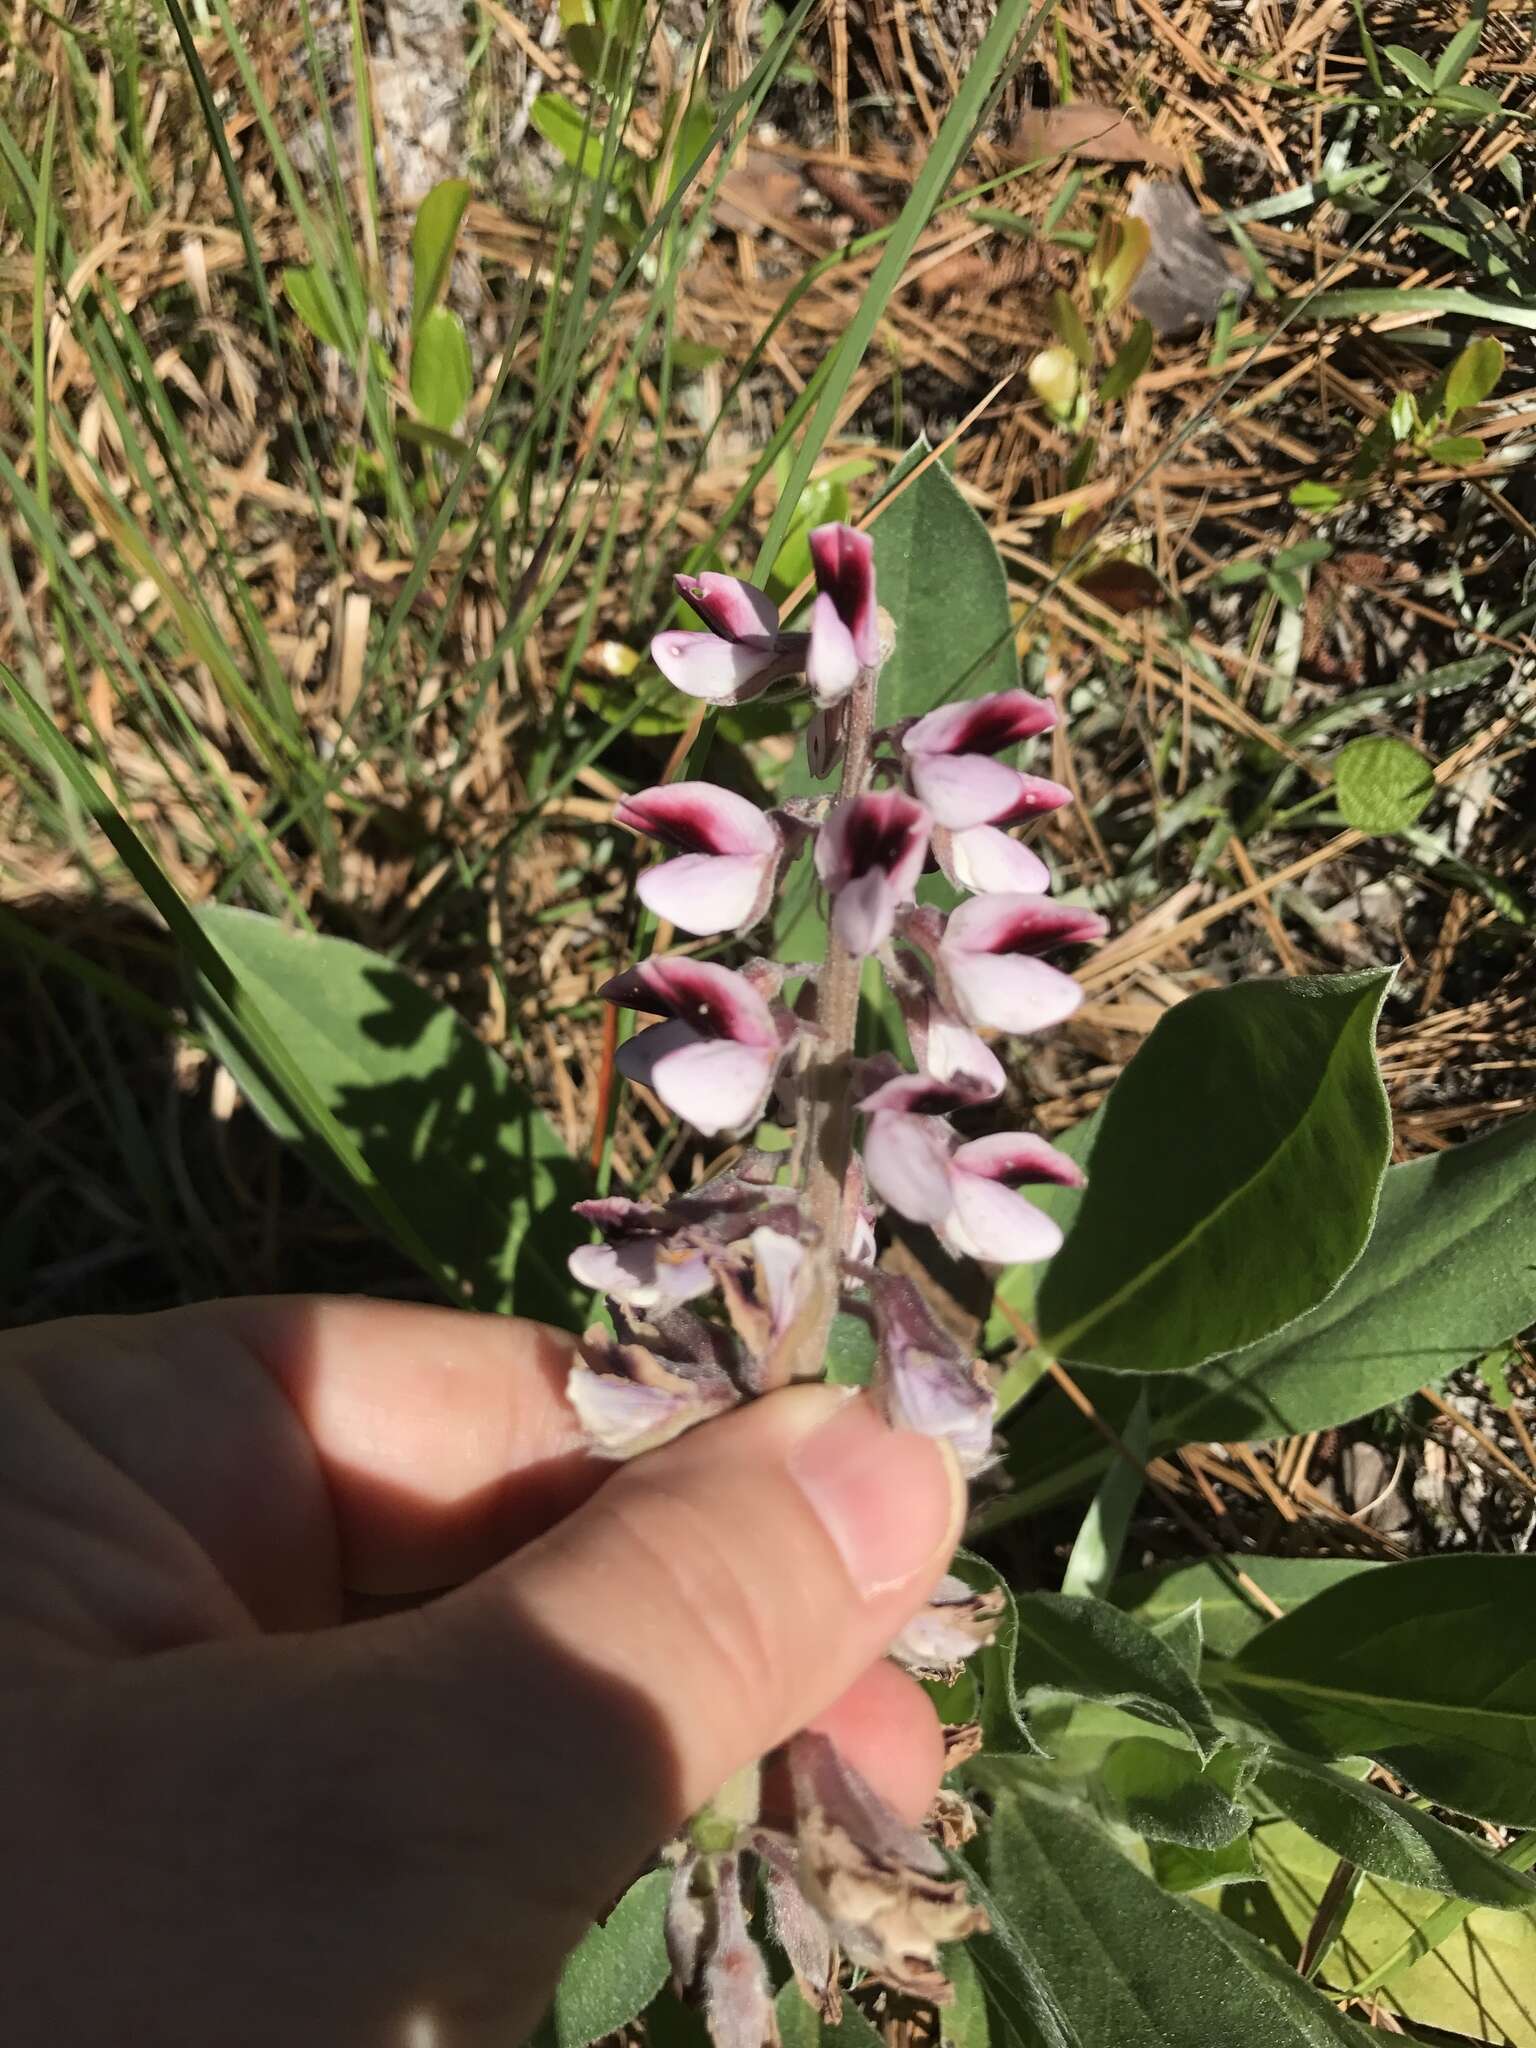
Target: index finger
(314,1443)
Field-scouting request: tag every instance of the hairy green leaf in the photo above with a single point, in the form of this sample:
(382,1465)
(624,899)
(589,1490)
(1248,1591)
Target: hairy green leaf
(1474,374)
(1093,1651)
(1381,784)
(615,1970)
(1170,1796)
(1388,1837)
(1091,1952)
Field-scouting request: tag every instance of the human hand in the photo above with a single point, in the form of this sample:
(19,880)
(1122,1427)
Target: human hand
(234,1815)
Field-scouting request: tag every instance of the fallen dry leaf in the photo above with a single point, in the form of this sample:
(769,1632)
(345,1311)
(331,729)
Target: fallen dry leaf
(1185,276)
(1085,129)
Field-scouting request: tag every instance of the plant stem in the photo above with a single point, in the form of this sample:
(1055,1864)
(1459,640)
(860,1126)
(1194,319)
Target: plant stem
(826,1086)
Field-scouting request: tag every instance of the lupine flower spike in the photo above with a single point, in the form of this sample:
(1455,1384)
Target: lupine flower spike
(729,1291)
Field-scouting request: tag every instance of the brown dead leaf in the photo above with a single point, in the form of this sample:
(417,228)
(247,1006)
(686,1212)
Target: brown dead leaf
(1123,585)
(1085,129)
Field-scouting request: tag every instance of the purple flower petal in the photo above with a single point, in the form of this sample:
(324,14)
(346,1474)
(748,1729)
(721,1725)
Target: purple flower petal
(719,671)
(925,1095)
(926,1381)
(906,1160)
(844,561)
(1002,992)
(991,1223)
(1019,924)
(715,1001)
(706,893)
(870,853)
(698,817)
(983,725)
(831,664)
(964,789)
(638,1273)
(729,607)
(983,859)
(1018,1159)
(717,1087)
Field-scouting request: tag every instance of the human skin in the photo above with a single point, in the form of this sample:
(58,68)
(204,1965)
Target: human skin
(340,1689)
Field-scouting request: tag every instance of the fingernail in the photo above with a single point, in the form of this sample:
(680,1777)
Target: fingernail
(892,1501)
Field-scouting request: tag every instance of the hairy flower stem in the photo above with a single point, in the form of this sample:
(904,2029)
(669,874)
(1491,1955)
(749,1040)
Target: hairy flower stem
(825,1138)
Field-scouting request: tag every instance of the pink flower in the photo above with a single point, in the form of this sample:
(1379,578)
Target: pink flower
(630,1398)
(743,652)
(989,960)
(730,856)
(845,630)
(713,1061)
(985,860)
(950,766)
(966,1192)
(870,853)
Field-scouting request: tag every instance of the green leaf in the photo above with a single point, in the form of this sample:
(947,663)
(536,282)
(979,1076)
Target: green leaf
(1388,1837)
(1315,497)
(1228,1615)
(1099,1541)
(1456,450)
(1475,372)
(1452,60)
(561,122)
(1447,1275)
(1304,554)
(801,2026)
(1247,571)
(1411,64)
(963,2023)
(1068,323)
(1093,1651)
(1128,365)
(1179,1868)
(1287,588)
(304,295)
(1170,1796)
(433,241)
(1381,784)
(615,1970)
(1091,1953)
(442,377)
(1252,1116)
(1004,1728)
(449,1134)
(1469,99)
(1430,1667)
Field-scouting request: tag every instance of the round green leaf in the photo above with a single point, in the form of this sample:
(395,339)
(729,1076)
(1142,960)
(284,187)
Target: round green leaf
(1233,1180)
(1381,784)
(442,377)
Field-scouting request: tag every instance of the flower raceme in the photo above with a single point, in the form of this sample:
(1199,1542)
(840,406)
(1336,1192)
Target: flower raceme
(730,1290)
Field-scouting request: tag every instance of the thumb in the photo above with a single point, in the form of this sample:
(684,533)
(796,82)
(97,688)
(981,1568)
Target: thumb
(709,1601)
